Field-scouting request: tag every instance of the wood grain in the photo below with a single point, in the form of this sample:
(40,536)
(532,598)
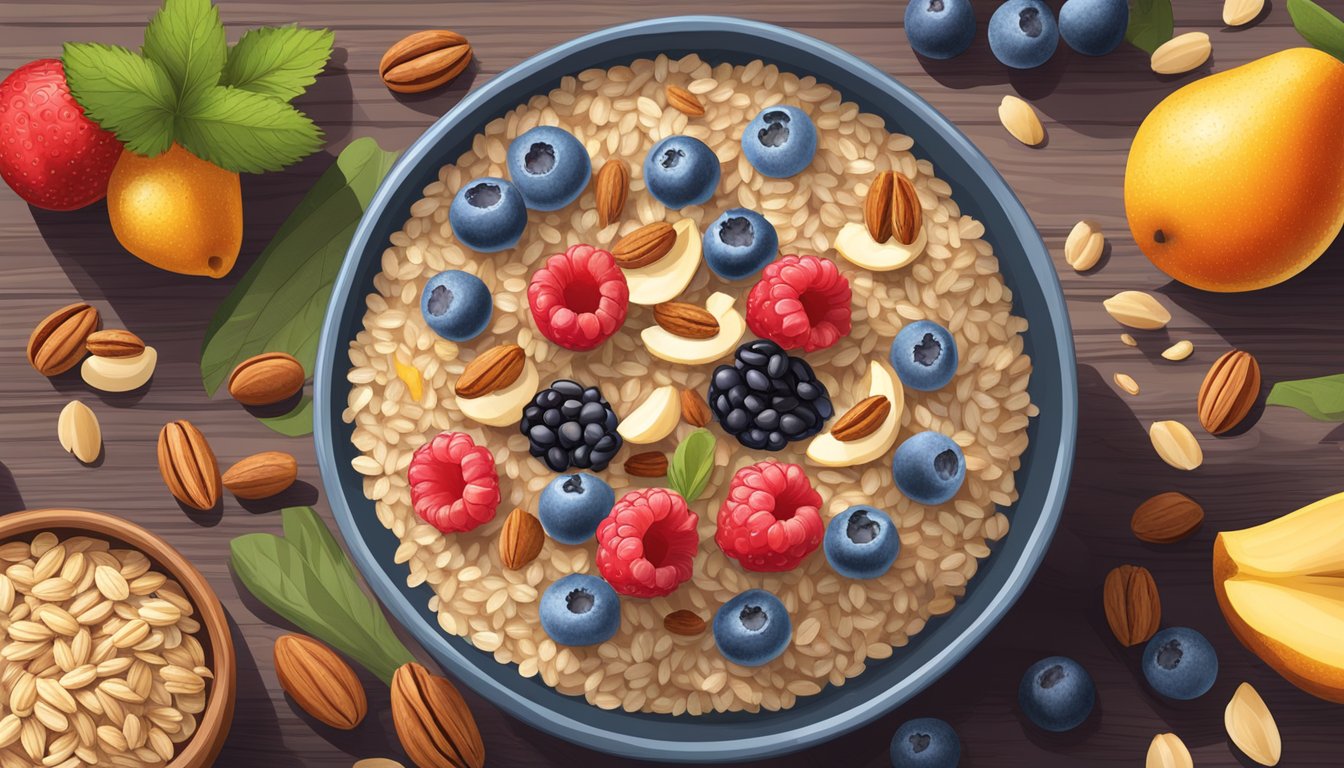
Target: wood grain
(1090,108)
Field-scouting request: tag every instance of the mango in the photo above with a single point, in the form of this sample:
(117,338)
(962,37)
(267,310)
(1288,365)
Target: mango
(1234,182)
(177,212)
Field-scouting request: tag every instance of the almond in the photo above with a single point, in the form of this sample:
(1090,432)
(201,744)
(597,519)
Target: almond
(491,371)
(521,539)
(694,409)
(1166,518)
(907,215)
(686,320)
(877,206)
(424,60)
(261,475)
(114,343)
(1133,608)
(1251,727)
(1239,12)
(1020,120)
(684,622)
(1230,389)
(319,681)
(611,186)
(1181,53)
(1168,751)
(1082,249)
(57,343)
(1137,309)
(78,432)
(266,379)
(862,420)
(188,465)
(433,723)
(644,246)
(1176,445)
(684,101)
(647,464)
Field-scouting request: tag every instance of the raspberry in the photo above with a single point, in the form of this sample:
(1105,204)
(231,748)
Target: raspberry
(800,301)
(770,520)
(579,297)
(453,483)
(646,546)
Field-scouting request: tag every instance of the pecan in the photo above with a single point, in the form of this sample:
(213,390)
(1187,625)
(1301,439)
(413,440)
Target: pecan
(877,207)
(424,60)
(188,465)
(1133,608)
(684,101)
(1229,391)
(862,420)
(432,721)
(57,343)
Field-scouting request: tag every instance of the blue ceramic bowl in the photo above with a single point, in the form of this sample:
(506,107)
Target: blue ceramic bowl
(979,190)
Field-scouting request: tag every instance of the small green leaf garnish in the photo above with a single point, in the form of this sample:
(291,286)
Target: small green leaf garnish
(1318,26)
(692,463)
(1321,398)
(186,38)
(277,61)
(131,95)
(244,131)
(1150,24)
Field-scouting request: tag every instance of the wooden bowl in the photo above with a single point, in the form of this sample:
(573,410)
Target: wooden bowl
(212,728)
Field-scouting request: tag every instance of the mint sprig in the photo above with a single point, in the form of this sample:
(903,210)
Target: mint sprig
(186,38)
(245,131)
(277,61)
(131,95)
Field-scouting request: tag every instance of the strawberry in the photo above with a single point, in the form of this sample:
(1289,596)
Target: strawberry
(51,155)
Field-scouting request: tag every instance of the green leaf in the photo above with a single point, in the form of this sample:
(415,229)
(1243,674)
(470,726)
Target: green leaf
(1150,24)
(279,304)
(124,93)
(186,38)
(1321,398)
(296,423)
(691,465)
(246,132)
(1318,26)
(305,530)
(277,61)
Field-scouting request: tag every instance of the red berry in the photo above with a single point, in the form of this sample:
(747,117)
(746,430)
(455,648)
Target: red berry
(50,153)
(647,545)
(800,301)
(579,297)
(453,483)
(770,520)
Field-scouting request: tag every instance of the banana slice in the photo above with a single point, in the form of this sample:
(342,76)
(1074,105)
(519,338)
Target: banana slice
(653,419)
(503,406)
(678,349)
(666,278)
(830,452)
(858,247)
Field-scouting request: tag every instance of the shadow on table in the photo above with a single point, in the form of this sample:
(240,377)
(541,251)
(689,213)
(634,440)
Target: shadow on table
(438,101)
(10,498)
(255,732)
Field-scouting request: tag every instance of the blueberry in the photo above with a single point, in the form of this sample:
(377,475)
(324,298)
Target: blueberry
(1093,27)
(1056,694)
(752,628)
(939,29)
(1023,34)
(571,506)
(580,610)
(929,468)
(925,742)
(780,142)
(1180,664)
(739,243)
(456,305)
(924,355)
(861,543)
(488,215)
(681,171)
(549,166)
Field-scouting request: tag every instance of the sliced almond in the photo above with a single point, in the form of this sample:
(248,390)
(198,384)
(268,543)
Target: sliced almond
(644,246)
(1251,726)
(684,101)
(862,420)
(1137,309)
(1082,249)
(492,370)
(1021,121)
(686,320)
(1168,751)
(1179,351)
(877,206)
(1181,53)
(1239,12)
(78,431)
(907,215)
(1126,383)
(1176,444)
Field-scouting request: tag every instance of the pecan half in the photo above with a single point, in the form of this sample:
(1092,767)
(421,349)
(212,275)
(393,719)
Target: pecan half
(57,343)
(432,721)
(862,420)
(491,371)
(188,465)
(1133,608)
(424,60)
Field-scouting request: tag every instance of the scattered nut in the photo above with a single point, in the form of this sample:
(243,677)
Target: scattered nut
(319,681)
(1179,351)
(433,723)
(188,465)
(684,622)
(266,379)
(611,187)
(424,60)
(79,433)
(491,371)
(1251,727)
(114,343)
(521,539)
(1021,121)
(907,214)
(862,420)
(694,409)
(644,246)
(1239,12)
(1228,392)
(1181,53)
(1166,518)
(1083,247)
(1137,309)
(261,475)
(1126,383)
(877,206)
(684,101)
(647,464)
(57,343)
(1128,340)
(1133,608)
(1176,445)
(686,320)
(1168,751)
(120,374)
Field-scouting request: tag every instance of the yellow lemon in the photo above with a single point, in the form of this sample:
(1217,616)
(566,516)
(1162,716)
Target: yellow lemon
(177,212)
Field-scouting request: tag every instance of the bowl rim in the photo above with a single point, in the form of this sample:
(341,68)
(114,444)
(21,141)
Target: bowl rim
(858,711)
(214,721)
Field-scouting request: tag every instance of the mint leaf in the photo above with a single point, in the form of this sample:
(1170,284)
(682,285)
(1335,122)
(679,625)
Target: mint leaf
(691,464)
(246,132)
(1321,398)
(1318,26)
(1150,24)
(277,61)
(124,93)
(186,38)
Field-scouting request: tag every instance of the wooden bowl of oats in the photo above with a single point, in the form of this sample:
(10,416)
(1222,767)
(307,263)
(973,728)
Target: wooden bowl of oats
(115,650)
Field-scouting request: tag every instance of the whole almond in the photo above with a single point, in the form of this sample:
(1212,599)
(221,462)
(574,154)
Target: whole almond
(266,379)
(433,723)
(684,622)
(647,464)
(114,343)
(644,246)
(1133,608)
(1239,12)
(684,101)
(261,475)
(1018,117)
(57,343)
(521,539)
(907,215)
(877,206)
(78,431)
(1168,751)
(1166,518)
(1137,309)
(1228,392)
(694,409)
(424,60)
(1251,726)
(1181,53)
(319,681)
(611,186)
(686,320)
(491,371)
(188,465)
(862,420)
(1176,445)
(1082,249)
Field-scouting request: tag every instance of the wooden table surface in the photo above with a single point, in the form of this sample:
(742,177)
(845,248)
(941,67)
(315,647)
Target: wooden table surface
(1090,107)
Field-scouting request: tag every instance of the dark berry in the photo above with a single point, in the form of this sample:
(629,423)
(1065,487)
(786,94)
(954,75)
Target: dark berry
(768,398)
(570,426)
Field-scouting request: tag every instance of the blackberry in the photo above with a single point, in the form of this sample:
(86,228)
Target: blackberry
(768,398)
(568,425)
